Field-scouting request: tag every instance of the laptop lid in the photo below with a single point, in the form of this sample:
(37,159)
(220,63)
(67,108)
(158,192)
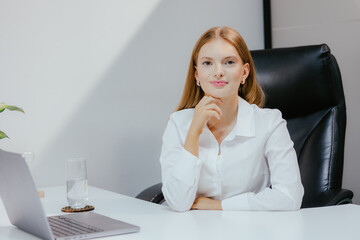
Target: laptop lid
(20,198)
(25,210)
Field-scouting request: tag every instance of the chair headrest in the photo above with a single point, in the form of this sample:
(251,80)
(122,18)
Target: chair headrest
(299,80)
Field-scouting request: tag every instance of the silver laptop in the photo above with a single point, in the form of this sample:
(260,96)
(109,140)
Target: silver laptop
(25,210)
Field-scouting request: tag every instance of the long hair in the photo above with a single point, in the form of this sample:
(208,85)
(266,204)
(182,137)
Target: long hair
(250,91)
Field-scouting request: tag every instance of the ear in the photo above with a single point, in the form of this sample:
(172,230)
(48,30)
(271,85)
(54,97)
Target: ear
(196,73)
(246,70)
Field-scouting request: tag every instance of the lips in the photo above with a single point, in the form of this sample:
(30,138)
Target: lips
(218,83)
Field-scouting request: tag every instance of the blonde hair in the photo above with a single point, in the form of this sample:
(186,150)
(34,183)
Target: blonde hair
(250,91)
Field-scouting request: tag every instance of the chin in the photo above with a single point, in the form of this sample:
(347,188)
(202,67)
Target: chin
(220,93)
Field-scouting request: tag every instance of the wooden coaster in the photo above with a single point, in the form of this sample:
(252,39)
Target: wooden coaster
(68,209)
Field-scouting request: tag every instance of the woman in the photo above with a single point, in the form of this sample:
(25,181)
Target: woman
(221,150)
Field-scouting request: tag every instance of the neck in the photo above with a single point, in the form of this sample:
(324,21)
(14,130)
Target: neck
(229,113)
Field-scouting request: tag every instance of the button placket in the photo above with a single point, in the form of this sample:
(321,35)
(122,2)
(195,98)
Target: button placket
(218,173)
(219,165)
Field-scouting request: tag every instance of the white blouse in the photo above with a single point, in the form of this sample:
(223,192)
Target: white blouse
(257,168)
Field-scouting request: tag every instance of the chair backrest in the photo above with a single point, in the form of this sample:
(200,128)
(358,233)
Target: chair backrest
(304,83)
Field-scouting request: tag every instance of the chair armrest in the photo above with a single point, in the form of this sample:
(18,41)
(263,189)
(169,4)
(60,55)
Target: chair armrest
(330,197)
(152,194)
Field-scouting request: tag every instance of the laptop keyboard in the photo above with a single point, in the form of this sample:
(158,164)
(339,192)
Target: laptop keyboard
(63,226)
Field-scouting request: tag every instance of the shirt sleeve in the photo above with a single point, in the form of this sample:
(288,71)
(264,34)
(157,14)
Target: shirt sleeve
(180,170)
(286,191)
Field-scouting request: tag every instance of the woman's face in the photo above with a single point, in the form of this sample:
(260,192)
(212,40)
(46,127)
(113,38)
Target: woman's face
(219,69)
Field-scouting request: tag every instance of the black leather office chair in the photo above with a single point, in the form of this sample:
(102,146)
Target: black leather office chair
(304,83)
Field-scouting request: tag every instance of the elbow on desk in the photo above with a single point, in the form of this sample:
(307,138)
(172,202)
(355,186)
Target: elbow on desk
(287,204)
(179,208)
(281,202)
(293,203)
(289,200)
(299,198)
(292,206)
(176,203)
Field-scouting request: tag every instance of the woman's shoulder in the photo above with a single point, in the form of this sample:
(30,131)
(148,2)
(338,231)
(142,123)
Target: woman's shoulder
(266,111)
(267,115)
(182,114)
(178,125)
(183,117)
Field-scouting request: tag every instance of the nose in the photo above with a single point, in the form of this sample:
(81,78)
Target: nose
(219,71)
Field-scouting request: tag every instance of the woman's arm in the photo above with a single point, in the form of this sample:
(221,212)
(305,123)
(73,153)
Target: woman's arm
(180,169)
(286,190)
(179,160)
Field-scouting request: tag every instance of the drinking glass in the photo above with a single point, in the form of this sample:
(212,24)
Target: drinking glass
(77,190)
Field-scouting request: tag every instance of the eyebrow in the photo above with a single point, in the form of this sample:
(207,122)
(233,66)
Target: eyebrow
(224,58)
(205,58)
(231,57)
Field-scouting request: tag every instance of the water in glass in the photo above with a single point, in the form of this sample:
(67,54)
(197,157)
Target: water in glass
(77,193)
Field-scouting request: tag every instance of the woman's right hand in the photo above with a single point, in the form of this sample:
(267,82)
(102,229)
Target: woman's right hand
(207,108)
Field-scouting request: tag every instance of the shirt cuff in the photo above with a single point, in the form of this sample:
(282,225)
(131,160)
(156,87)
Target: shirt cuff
(238,203)
(187,170)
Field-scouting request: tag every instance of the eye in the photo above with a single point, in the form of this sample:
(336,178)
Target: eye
(230,62)
(207,63)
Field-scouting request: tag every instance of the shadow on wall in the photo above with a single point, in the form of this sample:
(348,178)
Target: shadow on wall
(119,126)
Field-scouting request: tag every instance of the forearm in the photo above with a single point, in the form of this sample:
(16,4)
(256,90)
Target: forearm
(204,203)
(192,142)
(266,200)
(180,176)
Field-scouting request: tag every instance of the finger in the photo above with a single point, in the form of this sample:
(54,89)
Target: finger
(214,107)
(204,101)
(215,115)
(194,206)
(209,99)
(216,99)
(212,113)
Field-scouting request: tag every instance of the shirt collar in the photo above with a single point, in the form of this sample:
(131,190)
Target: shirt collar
(245,124)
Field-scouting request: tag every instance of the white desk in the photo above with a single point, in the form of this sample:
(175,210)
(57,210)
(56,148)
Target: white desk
(159,222)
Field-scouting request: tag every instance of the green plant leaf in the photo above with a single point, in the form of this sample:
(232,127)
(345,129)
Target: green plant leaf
(3,135)
(4,106)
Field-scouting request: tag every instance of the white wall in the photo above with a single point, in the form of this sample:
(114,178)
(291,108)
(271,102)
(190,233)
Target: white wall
(336,23)
(98,79)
